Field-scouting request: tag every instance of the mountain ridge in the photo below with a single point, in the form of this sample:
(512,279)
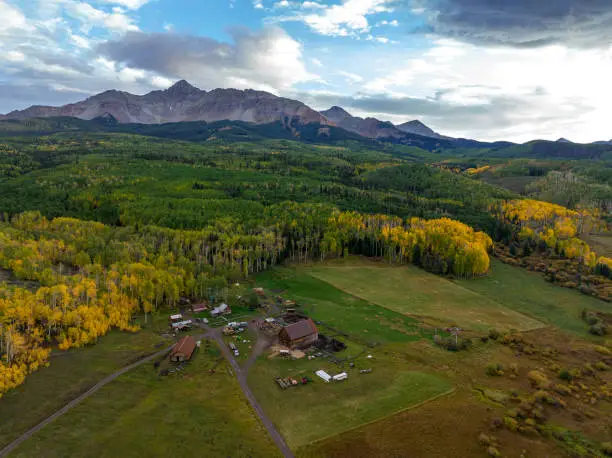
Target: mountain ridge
(182,102)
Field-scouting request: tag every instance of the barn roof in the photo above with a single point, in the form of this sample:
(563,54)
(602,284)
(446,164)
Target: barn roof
(301,329)
(185,346)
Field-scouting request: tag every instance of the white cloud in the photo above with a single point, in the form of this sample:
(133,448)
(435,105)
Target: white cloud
(351,77)
(12,18)
(91,17)
(282,4)
(131,4)
(392,23)
(258,5)
(316,62)
(345,19)
(313,5)
(269,60)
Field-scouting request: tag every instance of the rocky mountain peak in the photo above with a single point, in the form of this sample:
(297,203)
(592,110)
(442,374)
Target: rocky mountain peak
(418,128)
(182,88)
(336,114)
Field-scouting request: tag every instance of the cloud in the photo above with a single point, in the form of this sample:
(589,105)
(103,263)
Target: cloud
(12,18)
(316,62)
(269,60)
(351,77)
(522,23)
(518,118)
(91,17)
(131,4)
(349,18)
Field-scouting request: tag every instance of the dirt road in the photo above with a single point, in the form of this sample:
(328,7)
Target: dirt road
(10,447)
(241,376)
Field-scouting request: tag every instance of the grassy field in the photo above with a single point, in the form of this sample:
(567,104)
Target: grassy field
(141,414)
(363,320)
(308,413)
(528,293)
(69,374)
(412,291)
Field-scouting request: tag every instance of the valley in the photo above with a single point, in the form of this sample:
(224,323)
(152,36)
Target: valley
(466,286)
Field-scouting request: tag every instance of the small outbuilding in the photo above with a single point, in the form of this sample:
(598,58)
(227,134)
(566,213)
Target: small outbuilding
(199,308)
(183,349)
(301,334)
(223,309)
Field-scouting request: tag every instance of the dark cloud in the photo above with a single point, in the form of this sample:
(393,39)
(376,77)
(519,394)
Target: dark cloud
(522,23)
(268,58)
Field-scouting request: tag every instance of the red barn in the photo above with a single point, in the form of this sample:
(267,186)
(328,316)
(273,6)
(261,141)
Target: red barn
(183,349)
(302,334)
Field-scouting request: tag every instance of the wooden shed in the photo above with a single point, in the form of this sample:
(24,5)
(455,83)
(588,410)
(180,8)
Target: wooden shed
(183,349)
(301,334)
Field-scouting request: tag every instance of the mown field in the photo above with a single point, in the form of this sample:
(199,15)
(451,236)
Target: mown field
(529,294)
(141,414)
(69,374)
(312,412)
(411,291)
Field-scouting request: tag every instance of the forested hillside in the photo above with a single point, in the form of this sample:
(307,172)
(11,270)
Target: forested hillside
(107,225)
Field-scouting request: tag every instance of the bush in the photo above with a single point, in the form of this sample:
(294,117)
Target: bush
(511,424)
(601,366)
(606,448)
(493,334)
(493,452)
(484,439)
(538,379)
(565,375)
(495,370)
(602,350)
(563,390)
(598,329)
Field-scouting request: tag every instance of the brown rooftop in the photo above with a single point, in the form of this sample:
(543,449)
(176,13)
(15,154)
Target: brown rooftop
(301,329)
(185,346)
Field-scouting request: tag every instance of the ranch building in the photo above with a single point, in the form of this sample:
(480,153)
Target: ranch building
(183,349)
(301,334)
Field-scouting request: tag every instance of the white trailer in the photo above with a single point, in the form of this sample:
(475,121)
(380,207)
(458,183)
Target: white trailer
(324,375)
(339,377)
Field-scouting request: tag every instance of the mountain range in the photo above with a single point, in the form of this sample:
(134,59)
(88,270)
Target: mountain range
(184,103)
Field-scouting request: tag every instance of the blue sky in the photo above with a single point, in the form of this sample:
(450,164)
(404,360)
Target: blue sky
(513,70)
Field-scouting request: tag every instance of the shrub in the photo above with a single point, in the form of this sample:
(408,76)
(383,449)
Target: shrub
(495,369)
(563,390)
(602,350)
(565,375)
(493,334)
(575,373)
(592,319)
(511,423)
(493,452)
(598,329)
(606,448)
(601,366)
(484,439)
(538,379)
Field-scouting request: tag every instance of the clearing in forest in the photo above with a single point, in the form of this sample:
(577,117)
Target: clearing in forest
(412,291)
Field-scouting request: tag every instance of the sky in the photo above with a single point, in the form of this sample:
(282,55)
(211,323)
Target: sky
(512,70)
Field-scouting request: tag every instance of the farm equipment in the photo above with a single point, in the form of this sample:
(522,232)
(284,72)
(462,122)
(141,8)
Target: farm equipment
(287,382)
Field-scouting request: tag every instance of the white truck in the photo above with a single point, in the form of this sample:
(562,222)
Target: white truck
(234,349)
